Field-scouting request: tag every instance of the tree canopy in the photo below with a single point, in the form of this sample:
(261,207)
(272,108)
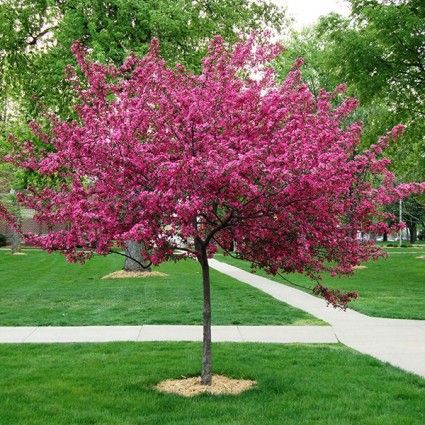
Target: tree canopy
(37,35)
(145,128)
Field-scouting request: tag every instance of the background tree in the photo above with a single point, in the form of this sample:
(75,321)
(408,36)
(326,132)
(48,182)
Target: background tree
(413,215)
(8,200)
(37,36)
(379,52)
(194,162)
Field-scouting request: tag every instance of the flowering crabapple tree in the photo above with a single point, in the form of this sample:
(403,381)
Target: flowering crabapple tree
(194,163)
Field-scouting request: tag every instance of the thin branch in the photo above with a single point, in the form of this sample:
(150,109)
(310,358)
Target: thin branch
(35,38)
(293,283)
(253,262)
(131,258)
(222,226)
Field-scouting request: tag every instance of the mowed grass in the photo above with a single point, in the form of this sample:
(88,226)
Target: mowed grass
(106,384)
(389,287)
(42,289)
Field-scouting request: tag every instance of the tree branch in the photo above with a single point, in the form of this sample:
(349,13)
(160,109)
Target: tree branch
(35,38)
(224,224)
(131,258)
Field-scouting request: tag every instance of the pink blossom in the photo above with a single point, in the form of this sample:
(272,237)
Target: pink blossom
(168,157)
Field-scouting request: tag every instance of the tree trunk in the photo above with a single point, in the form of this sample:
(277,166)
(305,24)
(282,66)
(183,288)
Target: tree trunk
(206,352)
(385,237)
(15,242)
(412,231)
(136,263)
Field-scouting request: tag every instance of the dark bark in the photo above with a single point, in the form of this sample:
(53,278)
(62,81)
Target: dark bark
(206,374)
(413,233)
(385,237)
(134,260)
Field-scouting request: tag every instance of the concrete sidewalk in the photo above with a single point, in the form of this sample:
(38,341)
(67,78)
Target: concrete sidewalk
(67,334)
(399,342)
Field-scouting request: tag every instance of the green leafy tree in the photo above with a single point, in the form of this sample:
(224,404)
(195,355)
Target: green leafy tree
(379,52)
(412,214)
(37,36)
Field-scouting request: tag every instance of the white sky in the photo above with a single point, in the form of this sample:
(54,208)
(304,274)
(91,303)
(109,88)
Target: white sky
(306,12)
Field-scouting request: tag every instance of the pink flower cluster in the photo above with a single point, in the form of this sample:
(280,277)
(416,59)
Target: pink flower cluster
(335,297)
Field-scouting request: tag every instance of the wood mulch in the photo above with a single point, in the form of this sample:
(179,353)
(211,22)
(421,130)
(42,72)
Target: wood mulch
(124,274)
(189,387)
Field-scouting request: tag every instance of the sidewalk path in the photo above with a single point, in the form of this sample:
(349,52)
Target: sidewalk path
(399,342)
(63,334)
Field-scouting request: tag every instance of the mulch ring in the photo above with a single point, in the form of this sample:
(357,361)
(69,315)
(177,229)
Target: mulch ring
(124,274)
(189,387)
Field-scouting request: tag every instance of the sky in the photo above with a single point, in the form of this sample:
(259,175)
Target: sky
(306,12)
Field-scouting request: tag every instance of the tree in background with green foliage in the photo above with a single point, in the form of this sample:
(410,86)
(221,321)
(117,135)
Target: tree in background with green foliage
(8,199)
(412,214)
(36,36)
(379,52)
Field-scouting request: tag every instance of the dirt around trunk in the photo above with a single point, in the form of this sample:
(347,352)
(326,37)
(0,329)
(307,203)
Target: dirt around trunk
(220,385)
(124,274)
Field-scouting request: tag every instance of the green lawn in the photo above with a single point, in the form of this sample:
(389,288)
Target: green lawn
(392,287)
(106,384)
(42,289)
